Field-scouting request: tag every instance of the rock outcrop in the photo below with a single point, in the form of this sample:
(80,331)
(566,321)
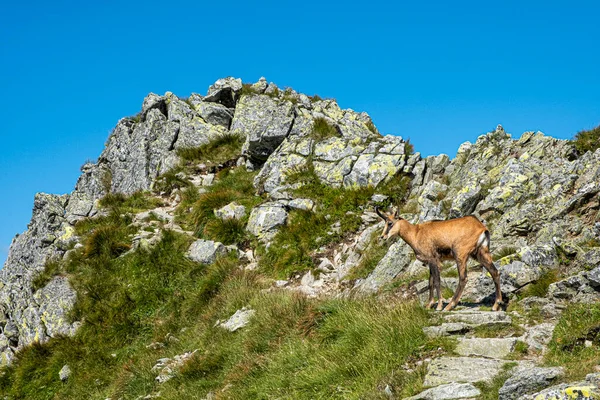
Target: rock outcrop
(539,198)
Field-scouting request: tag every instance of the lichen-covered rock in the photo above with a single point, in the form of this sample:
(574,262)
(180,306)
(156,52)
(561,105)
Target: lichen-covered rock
(479,318)
(528,380)
(265,219)
(576,288)
(391,265)
(240,319)
(224,91)
(450,391)
(446,370)
(231,210)
(65,373)
(205,251)
(446,329)
(539,336)
(486,347)
(55,300)
(513,277)
(264,121)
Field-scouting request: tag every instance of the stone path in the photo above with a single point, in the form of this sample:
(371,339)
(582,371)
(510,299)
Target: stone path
(479,359)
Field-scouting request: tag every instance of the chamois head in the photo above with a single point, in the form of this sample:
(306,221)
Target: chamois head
(391,227)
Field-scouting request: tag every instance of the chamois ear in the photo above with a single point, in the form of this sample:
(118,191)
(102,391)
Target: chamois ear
(383,216)
(397,213)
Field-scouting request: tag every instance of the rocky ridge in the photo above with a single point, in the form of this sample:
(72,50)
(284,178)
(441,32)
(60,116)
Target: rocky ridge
(537,195)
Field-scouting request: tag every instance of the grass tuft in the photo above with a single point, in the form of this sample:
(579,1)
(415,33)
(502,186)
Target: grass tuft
(578,323)
(323,129)
(220,149)
(587,140)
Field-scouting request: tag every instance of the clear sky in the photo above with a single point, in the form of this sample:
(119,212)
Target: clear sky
(438,72)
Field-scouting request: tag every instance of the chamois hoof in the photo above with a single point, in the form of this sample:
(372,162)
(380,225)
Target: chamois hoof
(449,307)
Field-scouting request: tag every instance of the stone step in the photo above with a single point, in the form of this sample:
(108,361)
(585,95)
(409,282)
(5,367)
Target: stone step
(489,348)
(479,318)
(451,391)
(446,329)
(445,370)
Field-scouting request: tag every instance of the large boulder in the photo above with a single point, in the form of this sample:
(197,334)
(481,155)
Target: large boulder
(528,380)
(264,121)
(265,219)
(394,263)
(205,251)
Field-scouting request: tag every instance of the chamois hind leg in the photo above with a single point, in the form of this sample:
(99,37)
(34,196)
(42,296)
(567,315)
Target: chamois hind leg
(461,264)
(485,258)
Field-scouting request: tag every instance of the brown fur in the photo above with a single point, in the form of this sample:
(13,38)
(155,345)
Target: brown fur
(435,241)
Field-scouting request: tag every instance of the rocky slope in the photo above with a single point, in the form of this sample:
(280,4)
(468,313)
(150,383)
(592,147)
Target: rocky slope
(538,196)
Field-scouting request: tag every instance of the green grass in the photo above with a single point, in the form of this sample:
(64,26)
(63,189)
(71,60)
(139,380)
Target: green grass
(196,212)
(578,323)
(220,149)
(294,347)
(539,288)
(494,331)
(170,181)
(489,391)
(323,129)
(295,245)
(504,252)
(587,140)
(138,201)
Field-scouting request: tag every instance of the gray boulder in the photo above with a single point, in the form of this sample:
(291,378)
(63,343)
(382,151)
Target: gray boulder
(240,319)
(224,91)
(205,251)
(528,380)
(486,347)
(265,122)
(231,210)
(395,261)
(265,219)
(65,373)
(446,370)
(448,391)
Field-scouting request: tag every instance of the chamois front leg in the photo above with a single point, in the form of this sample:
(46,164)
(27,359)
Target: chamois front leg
(431,300)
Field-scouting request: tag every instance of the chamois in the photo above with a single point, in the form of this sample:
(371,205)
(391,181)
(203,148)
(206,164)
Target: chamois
(455,239)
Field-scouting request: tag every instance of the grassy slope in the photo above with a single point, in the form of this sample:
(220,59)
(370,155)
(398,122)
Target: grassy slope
(293,348)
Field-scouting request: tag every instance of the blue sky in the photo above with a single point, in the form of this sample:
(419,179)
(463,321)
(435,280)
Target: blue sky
(438,72)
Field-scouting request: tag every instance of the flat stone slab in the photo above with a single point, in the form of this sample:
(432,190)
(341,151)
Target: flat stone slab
(446,329)
(528,380)
(445,370)
(490,348)
(451,391)
(479,318)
